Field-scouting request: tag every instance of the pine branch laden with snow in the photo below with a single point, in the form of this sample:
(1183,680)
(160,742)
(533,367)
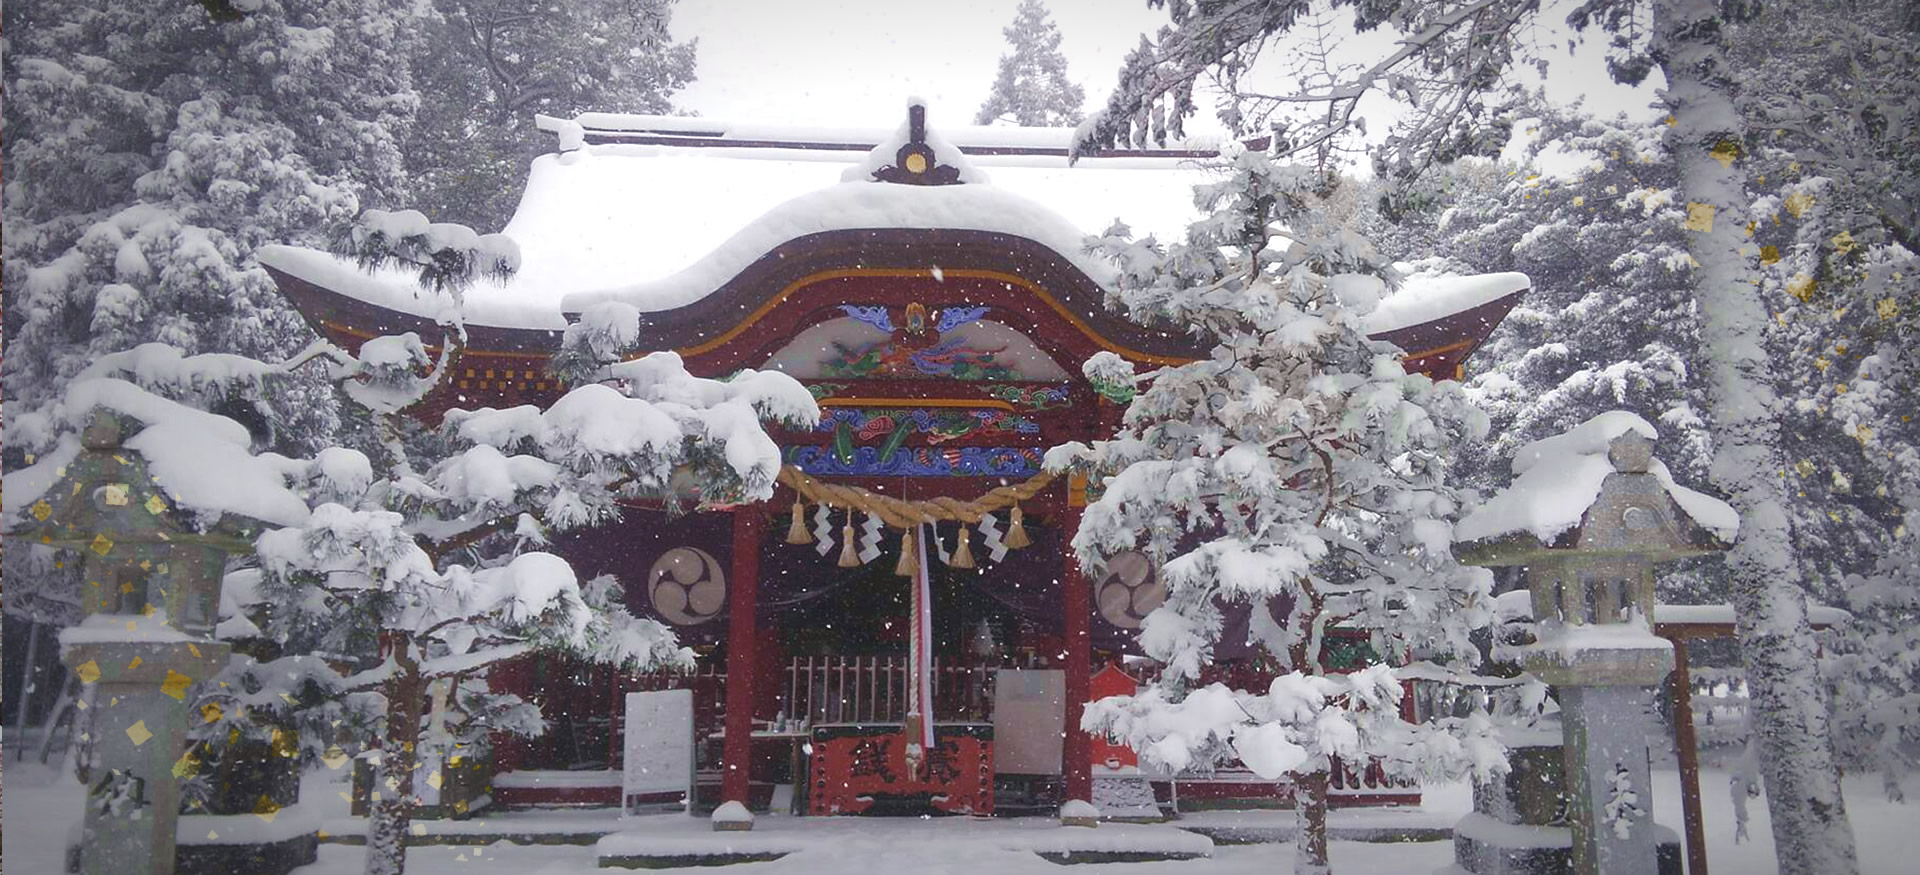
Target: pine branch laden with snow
(1298,463)
(447,257)
(1445,70)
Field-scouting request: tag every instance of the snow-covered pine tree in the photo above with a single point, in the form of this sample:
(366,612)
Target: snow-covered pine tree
(431,553)
(1610,321)
(1298,465)
(1710,142)
(1688,41)
(150,148)
(1837,202)
(1032,88)
(496,63)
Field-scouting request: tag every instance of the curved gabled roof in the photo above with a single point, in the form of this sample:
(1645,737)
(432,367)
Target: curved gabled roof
(660,226)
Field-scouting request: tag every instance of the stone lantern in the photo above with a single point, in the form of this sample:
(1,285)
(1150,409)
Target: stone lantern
(151,594)
(1589,516)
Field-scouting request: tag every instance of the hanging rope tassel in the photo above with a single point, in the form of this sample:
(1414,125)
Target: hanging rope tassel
(849,557)
(797,530)
(908,563)
(962,554)
(1017,532)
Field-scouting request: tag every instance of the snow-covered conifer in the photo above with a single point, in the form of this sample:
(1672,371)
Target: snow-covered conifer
(1032,88)
(1297,465)
(496,63)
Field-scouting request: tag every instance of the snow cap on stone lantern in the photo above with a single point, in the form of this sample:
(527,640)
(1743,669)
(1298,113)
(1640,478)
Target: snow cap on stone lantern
(144,554)
(1589,514)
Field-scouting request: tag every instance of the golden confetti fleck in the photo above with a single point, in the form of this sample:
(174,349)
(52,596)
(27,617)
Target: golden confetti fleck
(186,766)
(1798,203)
(419,829)
(434,781)
(131,626)
(101,545)
(286,743)
(335,758)
(1804,467)
(1769,255)
(1671,121)
(1863,434)
(1839,388)
(349,797)
(1699,218)
(211,835)
(126,587)
(211,712)
(1801,286)
(154,505)
(88,671)
(1793,167)
(393,783)
(148,609)
(460,859)
(139,734)
(1887,308)
(1833,516)
(42,510)
(1822,364)
(135,663)
(193,649)
(266,809)
(1579,199)
(1843,242)
(322,834)
(1726,152)
(114,495)
(176,685)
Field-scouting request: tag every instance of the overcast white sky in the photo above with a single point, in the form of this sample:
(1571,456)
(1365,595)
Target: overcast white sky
(854,62)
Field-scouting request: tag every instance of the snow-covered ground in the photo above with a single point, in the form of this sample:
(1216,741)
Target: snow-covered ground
(40,810)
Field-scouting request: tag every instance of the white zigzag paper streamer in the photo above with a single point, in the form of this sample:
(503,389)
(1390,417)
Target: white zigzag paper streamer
(822,529)
(990,537)
(939,544)
(870,537)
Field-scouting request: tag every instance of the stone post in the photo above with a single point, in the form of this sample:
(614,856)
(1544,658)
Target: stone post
(139,727)
(1592,592)
(151,591)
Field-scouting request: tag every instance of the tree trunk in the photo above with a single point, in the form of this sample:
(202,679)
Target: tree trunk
(1310,821)
(1790,712)
(393,782)
(1310,786)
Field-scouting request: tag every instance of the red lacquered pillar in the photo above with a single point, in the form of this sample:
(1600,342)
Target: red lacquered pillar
(1077,596)
(742,596)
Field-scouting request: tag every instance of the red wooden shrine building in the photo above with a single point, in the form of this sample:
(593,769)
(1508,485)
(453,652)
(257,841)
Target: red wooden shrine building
(940,319)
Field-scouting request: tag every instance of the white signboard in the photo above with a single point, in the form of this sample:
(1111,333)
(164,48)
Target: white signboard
(659,745)
(1029,712)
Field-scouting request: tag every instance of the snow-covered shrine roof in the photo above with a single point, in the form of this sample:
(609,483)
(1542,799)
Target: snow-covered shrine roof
(660,211)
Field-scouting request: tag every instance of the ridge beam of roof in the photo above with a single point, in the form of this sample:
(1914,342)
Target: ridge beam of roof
(646,130)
